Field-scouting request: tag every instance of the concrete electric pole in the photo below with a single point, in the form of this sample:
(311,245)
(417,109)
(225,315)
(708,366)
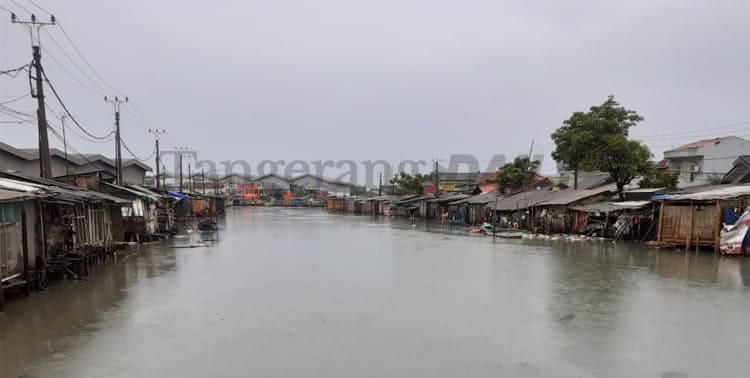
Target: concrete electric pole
(33,26)
(156,133)
(118,145)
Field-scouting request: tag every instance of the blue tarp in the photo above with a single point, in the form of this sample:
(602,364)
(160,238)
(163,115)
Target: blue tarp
(730,217)
(176,195)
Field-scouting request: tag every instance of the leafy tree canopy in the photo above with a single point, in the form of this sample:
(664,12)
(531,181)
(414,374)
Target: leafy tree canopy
(517,172)
(585,132)
(660,179)
(404,183)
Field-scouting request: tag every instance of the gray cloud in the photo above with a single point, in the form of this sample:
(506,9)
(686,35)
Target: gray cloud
(319,80)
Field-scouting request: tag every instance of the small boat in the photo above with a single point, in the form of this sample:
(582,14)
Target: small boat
(510,235)
(207,225)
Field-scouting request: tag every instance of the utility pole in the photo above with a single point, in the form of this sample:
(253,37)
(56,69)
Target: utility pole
(380,185)
(156,133)
(33,26)
(437,178)
(118,145)
(63,116)
(190,179)
(203,181)
(180,171)
(181,150)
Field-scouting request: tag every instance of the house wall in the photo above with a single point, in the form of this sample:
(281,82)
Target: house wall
(133,174)
(684,223)
(712,160)
(31,167)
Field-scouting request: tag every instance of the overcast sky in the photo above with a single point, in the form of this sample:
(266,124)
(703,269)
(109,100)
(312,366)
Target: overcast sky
(344,79)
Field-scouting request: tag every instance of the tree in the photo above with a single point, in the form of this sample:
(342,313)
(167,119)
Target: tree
(660,179)
(404,183)
(583,133)
(299,191)
(517,172)
(623,159)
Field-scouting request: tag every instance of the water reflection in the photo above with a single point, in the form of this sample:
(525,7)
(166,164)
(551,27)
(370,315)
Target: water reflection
(305,293)
(48,324)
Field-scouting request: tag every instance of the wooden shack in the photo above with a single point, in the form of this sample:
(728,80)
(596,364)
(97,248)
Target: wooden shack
(695,219)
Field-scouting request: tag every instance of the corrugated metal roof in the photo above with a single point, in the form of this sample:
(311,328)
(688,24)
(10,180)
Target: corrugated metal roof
(133,192)
(568,196)
(450,198)
(521,200)
(20,186)
(604,207)
(14,196)
(719,192)
(479,199)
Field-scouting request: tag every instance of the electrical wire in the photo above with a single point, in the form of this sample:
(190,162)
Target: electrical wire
(72,61)
(38,7)
(75,47)
(21,6)
(133,154)
(59,137)
(62,66)
(72,118)
(15,71)
(72,131)
(15,99)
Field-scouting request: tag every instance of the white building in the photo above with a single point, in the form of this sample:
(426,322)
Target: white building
(705,161)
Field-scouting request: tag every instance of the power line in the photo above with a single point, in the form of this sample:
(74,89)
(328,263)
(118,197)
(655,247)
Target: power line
(15,71)
(21,6)
(15,99)
(72,61)
(734,125)
(10,114)
(75,47)
(54,113)
(57,135)
(133,154)
(51,56)
(39,7)
(57,96)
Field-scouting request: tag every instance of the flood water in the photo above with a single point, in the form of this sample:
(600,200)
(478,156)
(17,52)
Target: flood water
(301,293)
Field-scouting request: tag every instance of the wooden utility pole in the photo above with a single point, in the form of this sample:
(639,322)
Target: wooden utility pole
(33,26)
(118,145)
(203,181)
(380,184)
(63,116)
(190,179)
(180,171)
(437,178)
(156,133)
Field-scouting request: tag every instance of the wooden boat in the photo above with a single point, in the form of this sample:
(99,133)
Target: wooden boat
(510,235)
(207,225)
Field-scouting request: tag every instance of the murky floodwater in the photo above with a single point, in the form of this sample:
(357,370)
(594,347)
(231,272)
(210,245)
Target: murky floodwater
(300,293)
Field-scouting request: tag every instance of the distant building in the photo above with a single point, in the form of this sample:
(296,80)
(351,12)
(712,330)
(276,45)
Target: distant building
(26,161)
(705,161)
(317,184)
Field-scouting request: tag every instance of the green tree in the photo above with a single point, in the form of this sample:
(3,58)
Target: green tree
(581,135)
(623,159)
(404,183)
(299,191)
(517,172)
(660,179)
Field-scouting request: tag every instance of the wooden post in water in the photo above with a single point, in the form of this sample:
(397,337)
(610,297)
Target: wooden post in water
(690,232)
(25,250)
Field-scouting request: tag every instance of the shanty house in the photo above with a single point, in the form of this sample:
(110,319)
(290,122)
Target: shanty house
(695,219)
